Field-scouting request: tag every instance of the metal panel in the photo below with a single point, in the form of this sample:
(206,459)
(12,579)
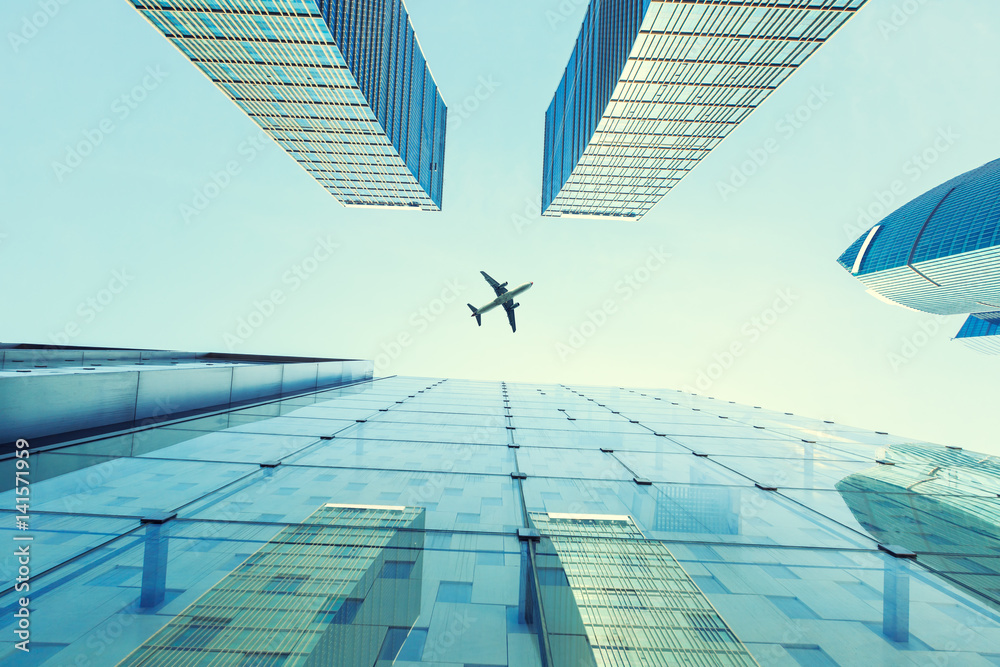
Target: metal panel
(118,356)
(256,381)
(39,405)
(331,372)
(298,377)
(19,359)
(963,283)
(355,371)
(165,392)
(60,397)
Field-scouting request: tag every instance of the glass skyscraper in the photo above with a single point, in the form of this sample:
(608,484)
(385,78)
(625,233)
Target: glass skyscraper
(939,253)
(981,332)
(652,86)
(342,86)
(421,521)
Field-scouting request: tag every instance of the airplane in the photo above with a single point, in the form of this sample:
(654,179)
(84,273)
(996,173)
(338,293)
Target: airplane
(504,298)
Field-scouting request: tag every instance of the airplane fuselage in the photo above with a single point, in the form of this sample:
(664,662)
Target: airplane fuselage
(504,298)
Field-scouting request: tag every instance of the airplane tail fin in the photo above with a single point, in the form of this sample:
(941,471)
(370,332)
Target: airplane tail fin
(475,314)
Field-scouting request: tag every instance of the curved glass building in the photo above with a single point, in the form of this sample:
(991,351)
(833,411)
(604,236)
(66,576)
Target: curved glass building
(940,253)
(342,86)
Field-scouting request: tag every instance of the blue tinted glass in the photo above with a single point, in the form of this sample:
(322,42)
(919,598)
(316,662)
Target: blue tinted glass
(958,216)
(394,569)
(792,607)
(347,611)
(394,640)
(978,325)
(413,647)
(341,545)
(810,656)
(454,591)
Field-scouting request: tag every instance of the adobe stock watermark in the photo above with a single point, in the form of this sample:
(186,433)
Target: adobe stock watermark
(527,216)
(33,23)
(785,128)
(751,331)
(121,108)
(222,178)
(88,309)
(419,321)
(458,113)
(294,277)
(901,14)
(90,480)
(960,634)
(255,491)
(457,624)
(888,200)
(564,11)
(624,290)
(910,346)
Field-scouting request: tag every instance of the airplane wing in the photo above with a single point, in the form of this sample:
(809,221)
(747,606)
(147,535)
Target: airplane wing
(497,287)
(510,316)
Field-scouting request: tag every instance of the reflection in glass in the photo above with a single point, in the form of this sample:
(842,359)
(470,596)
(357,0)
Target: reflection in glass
(931,501)
(342,588)
(697,509)
(608,596)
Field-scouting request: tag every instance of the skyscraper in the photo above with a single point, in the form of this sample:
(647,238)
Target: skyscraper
(981,332)
(342,86)
(939,253)
(652,86)
(415,521)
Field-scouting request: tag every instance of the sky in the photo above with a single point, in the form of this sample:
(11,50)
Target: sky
(728,287)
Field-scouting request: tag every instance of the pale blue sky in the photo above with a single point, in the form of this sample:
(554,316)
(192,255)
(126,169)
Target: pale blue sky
(891,94)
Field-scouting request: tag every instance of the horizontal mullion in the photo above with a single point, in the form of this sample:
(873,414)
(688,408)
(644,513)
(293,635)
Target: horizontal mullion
(175,9)
(734,36)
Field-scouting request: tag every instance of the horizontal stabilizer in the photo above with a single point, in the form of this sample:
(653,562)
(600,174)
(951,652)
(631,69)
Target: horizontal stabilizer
(475,314)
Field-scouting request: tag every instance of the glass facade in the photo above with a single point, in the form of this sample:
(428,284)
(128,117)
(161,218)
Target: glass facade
(342,86)
(939,253)
(958,216)
(652,86)
(932,503)
(416,521)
